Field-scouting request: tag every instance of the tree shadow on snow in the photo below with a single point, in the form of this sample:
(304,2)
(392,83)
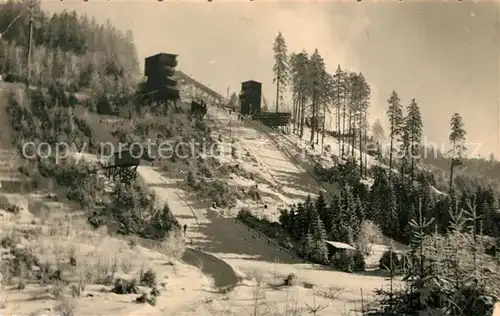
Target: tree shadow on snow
(227,236)
(298,181)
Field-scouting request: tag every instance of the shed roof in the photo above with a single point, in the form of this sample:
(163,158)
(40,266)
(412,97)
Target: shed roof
(251,81)
(162,54)
(340,245)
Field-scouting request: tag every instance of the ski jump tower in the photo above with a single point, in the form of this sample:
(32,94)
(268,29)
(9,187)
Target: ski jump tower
(160,71)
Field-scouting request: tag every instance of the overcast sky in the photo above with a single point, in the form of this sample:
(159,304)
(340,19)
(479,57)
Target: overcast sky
(446,55)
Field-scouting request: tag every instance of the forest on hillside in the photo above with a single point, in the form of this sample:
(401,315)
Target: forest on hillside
(73,55)
(345,96)
(409,183)
(451,235)
(69,50)
(401,201)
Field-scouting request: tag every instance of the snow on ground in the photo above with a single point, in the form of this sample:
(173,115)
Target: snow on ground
(282,181)
(208,229)
(282,178)
(58,230)
(251,254)
(62,230)
(330,141)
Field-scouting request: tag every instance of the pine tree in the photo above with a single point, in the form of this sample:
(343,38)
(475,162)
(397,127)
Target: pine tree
(337,221)
(317,80)
(306,245)
(322,209)
(310,212)
(320,250)
(475,229)
(413,126)
(442,273)
(351,83)
(378,137)
(280,68)
(328,102)
(404,150)
(339,100)
(314,220)
(301,223)
(395,114)
(392,221)
(419,227)
(378,193)
(294,82)
(346,130)
(287,219)
(350,223)
(333,221)
(457,140)
(299,73)
(378,133)
(361,102)
(292,219)
(487,207)
(492,158)
(408,197)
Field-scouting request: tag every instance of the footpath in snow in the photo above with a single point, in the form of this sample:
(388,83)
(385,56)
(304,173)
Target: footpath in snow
(222,273)
(208,230)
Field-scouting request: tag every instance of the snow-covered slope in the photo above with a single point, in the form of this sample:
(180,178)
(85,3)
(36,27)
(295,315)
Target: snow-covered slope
(280,179)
